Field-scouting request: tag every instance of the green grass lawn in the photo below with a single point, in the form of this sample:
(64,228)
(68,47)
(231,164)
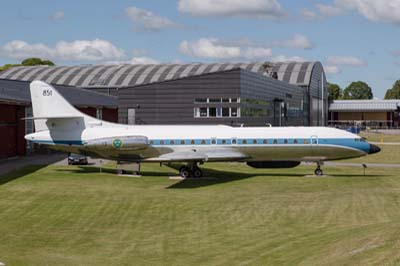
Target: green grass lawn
(62,215)
(390,154)
(376,137)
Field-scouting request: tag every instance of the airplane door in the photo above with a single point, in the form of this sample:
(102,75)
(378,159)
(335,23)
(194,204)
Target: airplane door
(314,144)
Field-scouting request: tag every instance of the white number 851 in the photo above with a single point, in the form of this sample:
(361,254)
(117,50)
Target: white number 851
(47,93)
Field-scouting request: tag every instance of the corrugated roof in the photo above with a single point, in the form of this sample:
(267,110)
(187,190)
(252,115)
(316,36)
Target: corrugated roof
(297,73)
(18,92)
(364,105)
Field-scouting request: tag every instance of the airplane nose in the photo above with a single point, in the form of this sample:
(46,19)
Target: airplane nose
(373,149)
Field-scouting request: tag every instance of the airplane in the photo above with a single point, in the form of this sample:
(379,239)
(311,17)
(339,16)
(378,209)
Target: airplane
(62,127)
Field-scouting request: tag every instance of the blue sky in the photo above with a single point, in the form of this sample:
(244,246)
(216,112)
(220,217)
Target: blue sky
(354,39)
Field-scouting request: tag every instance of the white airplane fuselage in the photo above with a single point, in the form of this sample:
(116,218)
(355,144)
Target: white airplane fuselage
(62,127)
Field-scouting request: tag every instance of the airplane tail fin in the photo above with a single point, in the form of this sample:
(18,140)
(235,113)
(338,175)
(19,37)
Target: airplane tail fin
(48,104)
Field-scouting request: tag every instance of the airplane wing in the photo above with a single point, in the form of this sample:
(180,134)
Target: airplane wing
(215,155)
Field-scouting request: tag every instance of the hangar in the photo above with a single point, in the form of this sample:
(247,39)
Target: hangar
(280,94)
(15,104)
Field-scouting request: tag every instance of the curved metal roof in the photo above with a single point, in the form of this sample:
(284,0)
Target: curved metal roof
(364,105)
(134,75)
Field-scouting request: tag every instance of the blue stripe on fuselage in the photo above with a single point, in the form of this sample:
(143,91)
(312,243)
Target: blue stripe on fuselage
(350,143)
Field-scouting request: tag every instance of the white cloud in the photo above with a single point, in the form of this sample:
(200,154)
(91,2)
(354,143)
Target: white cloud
(374,10)
(215,49)
(345,60)
(145,20)
(298,41)
(80,50)
(209,48)
(257,52)
(332,69)
(143,60)
(308,14)
(232,8)
(329,11)
(59,15)
(284,58)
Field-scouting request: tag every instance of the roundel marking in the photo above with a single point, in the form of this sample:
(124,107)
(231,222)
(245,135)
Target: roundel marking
(117,143)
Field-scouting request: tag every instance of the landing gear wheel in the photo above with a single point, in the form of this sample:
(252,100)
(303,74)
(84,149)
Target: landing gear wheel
(319,172)
(184,172)
(197,173)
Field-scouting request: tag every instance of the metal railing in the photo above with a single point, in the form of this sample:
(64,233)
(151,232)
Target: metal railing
(364,124)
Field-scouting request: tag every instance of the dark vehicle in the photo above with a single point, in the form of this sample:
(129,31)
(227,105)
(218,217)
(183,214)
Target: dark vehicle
(77,159)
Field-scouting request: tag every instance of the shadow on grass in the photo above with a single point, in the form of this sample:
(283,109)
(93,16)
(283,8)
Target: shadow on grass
(211,176)
(14,175)
(220,177)
(91,169)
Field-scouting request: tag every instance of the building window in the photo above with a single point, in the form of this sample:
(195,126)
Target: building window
(203,142)
(305,141)
(244,141)
(275,141)
(254,141)
(182,142)
(223,141)
(295,141)
(192,142)
(200,100)
(213,141)
(212,112)
(172,142)
(225,112)
(151,142)
(265,141)
(285,141)
(161,142)
(234,141)
(214,100)
(234,112)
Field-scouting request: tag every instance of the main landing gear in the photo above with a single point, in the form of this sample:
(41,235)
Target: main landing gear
(191,170)
(318,171)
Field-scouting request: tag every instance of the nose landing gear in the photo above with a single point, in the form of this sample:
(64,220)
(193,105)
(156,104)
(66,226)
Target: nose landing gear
(318,171)
(191,170)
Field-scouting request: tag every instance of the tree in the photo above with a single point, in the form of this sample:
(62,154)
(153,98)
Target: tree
(29,62)
(36,61)
(394,92)
(335,92)
(358,91)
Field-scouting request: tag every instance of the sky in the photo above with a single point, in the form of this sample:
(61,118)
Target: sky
(353,39)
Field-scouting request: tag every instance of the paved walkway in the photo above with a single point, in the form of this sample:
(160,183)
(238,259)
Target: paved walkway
(369,165)
(386,143)
(11,164)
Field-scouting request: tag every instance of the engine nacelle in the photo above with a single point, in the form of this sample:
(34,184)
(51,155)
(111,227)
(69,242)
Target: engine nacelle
(118,143)
(274,164)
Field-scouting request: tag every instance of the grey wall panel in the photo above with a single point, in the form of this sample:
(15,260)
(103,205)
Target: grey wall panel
(172,102)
